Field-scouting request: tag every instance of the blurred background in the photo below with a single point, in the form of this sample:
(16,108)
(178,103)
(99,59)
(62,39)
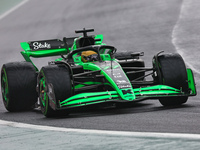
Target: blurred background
(129,25)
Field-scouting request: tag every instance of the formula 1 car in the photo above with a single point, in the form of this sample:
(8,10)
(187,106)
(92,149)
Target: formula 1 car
(89,72)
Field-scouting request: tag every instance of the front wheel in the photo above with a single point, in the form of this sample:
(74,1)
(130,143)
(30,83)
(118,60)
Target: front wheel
(59,77)
(172,71)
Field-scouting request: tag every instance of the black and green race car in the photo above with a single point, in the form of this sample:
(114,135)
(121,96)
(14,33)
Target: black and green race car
(89,72)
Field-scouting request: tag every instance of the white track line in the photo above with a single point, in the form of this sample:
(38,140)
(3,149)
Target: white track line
(183,14)
(13,9)
(103,132)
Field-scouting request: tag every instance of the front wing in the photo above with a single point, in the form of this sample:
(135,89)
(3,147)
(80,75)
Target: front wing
(151,92)
(140,94)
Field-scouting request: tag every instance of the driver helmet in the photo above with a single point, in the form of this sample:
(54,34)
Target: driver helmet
(89,56)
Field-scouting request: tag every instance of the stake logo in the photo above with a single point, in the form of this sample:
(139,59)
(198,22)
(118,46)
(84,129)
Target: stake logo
(38,45)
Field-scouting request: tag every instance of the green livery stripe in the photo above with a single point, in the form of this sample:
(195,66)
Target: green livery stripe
(98,97)
(87,83)
(45,53)
(25,46)
(191,83)
(90,97)
(156,88)
(100,36)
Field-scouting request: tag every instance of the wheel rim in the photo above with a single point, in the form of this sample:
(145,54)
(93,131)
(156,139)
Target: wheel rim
(44,99)
(4,88)
(43,93)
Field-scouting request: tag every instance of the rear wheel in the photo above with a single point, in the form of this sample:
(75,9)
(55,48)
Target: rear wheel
(18,86)
(59,77)
(173,73)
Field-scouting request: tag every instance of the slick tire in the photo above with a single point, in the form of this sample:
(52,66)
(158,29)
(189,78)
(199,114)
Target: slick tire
(59,77)
(18,86)
(173,73)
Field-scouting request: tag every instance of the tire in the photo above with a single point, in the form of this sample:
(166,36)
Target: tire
(173,73)
(59,77)
(18,86)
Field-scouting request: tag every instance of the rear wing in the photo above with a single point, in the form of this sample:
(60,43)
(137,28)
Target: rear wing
(53,47)
(46,48)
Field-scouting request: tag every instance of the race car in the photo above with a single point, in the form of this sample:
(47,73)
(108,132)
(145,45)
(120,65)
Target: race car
(91,73)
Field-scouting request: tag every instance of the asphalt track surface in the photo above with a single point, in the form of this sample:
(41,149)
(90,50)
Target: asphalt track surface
(128,25)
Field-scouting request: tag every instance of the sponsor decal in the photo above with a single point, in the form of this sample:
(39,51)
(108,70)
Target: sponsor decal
(38,45)
(113,70)
(117,75)
(121,81)
(124,86)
